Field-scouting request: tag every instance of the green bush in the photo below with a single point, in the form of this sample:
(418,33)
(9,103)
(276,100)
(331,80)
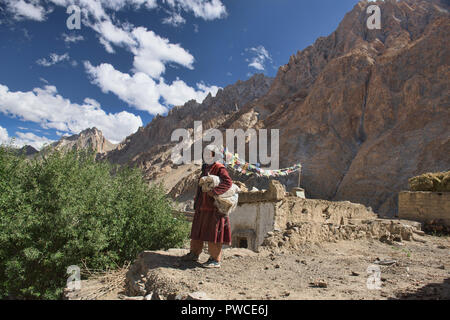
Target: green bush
(66,207)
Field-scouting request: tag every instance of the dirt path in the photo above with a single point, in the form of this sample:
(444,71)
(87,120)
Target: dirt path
(329,271)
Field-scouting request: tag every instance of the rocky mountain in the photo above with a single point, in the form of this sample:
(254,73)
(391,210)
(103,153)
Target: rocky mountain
(150,147)
(27,151)
(87,139)
(362,110)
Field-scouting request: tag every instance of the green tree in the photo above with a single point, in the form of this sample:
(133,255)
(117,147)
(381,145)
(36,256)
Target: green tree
(66,207)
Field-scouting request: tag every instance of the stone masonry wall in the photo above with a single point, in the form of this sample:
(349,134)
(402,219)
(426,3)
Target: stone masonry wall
(294,210)
(424,206)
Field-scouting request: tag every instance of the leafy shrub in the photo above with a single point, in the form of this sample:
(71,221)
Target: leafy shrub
(66,207)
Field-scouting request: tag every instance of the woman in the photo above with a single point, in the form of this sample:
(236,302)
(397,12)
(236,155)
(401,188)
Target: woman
(209,224)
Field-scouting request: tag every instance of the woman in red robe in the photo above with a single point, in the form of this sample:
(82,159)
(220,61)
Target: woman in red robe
(209,224)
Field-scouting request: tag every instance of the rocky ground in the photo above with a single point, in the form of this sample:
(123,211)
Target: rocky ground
(330,270)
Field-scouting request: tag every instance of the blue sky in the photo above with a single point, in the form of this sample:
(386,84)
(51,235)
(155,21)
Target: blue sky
(133,59)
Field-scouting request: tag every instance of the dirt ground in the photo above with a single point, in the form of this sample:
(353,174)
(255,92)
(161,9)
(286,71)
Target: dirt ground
(417,270)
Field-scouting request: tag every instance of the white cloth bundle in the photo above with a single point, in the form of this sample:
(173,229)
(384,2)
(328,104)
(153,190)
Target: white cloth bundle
(226,202)
(209,182)
(226,205)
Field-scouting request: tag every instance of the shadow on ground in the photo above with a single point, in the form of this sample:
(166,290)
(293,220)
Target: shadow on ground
(157,259)
(431,291)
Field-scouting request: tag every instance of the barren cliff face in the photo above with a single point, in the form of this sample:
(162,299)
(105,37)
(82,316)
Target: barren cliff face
(87,139)
(150,147)
(362,110)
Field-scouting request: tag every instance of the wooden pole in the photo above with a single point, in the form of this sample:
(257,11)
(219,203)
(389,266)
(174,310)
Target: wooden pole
(299,175)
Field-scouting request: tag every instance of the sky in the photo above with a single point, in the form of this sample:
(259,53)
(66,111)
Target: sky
(129,60)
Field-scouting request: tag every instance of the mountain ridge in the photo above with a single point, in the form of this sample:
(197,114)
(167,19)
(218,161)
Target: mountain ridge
(345,104)
(149,148)
(362,110)
(90,138)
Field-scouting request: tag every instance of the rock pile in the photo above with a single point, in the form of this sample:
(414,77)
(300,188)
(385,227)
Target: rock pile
(298,234)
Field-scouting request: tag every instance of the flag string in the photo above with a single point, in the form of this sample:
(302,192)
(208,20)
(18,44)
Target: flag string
(233,161)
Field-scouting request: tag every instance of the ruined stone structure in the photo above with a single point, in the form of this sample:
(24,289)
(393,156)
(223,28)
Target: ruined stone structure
(424,206)
(261,212)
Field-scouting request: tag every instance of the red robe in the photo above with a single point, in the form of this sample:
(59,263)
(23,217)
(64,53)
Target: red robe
(209,224)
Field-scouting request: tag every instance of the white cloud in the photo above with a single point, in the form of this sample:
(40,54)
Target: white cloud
(138,90)
(206,90)
(153,51)
(175,19)
(89,7)
(178,93)
(68,38)
(4,137)
(21,139)
(31,9)
(35,10)
(257,65)
(142,43)
(62,134)
(92,102)
(144,93)
(205,9)
(144,89)
(260,56)
(150,4)
(112,34)
(31,139)
(46,107)
(120,4)
(53,59)
(107,45)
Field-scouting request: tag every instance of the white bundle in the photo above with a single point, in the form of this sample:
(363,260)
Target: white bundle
(231,192)
(226,202)
(226,205)
(209,182)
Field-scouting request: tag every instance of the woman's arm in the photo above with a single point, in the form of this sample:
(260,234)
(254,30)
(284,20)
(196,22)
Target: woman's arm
(198,195)
(225,182)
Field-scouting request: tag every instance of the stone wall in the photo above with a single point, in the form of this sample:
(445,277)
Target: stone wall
(254,216)
(252,221)
(296,235)
(262,212)
(424,206)
(294,210)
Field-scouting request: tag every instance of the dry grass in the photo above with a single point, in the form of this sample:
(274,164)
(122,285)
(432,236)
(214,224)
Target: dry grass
(103,282)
